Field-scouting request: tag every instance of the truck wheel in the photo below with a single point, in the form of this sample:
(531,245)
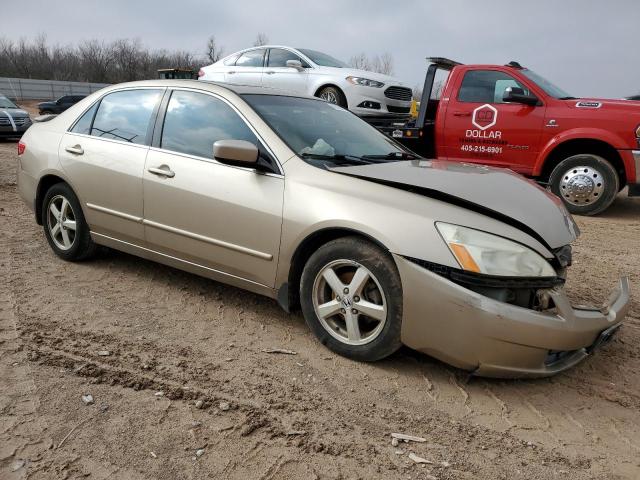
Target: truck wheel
(333,95)
(586,183)
(351,297)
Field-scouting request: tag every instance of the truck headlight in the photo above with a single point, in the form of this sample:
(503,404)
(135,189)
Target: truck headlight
(638,132)
(482,252)
(365,82)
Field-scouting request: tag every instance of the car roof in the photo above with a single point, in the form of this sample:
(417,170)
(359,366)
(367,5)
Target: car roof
(207,85)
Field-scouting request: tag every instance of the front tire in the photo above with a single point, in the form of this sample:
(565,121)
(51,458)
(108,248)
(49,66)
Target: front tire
(333,95)
(351,298)
(586,183)
(64,224)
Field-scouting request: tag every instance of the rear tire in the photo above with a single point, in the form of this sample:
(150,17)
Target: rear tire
(64,224)
(351,298)
(586,183)
(333,95)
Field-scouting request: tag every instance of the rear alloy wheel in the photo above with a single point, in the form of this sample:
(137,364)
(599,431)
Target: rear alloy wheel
(333,95)
(586,183)
(352,299)
(64,225)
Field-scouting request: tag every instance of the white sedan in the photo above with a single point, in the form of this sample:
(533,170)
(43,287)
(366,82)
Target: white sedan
(307,72)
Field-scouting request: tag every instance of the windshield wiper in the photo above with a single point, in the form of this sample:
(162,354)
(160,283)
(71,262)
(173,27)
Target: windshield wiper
(392,156)
(568,98)
(337,158)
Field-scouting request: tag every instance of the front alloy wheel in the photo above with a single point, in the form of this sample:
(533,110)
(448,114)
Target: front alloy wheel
(351,297)
(349,302)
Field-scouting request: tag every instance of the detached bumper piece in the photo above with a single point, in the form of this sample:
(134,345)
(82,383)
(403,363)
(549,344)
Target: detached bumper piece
(493,338)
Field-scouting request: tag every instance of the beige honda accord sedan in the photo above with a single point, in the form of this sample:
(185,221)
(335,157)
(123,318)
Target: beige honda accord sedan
(300,200)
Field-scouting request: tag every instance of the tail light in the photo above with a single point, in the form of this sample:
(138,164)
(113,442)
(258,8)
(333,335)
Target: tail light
(200,73)
(21,147)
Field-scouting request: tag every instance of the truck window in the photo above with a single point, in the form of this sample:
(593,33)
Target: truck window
(486,86)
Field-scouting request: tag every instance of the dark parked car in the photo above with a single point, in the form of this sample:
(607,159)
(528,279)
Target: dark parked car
(13,120)
(59,105)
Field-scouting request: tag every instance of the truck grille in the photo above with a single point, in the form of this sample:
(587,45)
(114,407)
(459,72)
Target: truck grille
(398,93)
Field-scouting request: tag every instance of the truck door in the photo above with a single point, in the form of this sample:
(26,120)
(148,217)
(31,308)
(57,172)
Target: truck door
(481,128)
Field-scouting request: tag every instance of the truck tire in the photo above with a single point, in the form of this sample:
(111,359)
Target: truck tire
(333,95)
(586,183)
(351,298)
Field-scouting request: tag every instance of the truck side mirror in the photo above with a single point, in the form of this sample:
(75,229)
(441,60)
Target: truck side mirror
(517,95)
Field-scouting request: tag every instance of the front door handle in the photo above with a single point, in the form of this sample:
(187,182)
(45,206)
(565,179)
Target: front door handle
(163,171)
(76,150)
(270,72)
(461,114)
(231,72)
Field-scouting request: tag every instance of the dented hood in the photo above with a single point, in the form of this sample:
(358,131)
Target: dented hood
(496,192)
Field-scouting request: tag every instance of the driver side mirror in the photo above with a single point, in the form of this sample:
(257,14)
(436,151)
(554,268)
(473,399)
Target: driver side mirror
(517,95)
(297,64)
(239,152)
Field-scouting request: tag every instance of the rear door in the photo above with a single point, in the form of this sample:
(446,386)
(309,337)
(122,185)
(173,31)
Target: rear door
(248,68)
(481,128)
(278,75)
(225,218)
(104,155)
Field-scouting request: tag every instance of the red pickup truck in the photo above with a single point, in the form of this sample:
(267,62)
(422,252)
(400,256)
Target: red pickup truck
(585,150)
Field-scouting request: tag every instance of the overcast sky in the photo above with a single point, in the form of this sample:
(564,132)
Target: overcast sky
(587,47)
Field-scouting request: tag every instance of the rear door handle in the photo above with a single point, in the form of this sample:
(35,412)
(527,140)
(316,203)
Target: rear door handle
(163,171)
(461,114)
(270,72)
(231,72)
(76,150)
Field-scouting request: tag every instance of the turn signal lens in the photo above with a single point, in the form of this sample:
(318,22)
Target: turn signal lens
(464,258)
(21,147)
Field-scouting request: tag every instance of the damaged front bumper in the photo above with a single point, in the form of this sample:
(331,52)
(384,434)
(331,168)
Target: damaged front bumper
(496,339)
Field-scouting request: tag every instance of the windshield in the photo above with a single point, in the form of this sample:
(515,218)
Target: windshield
(546,85)
(319,130)
(322,59)
(6,103)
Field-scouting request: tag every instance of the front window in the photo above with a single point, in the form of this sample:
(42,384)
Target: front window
(278,58)
(6,103)
(195,121)
(322,59)
(321,131)
(486,86)
(549,88)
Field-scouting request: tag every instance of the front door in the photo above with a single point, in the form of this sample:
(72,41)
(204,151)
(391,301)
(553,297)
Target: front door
(105,153)
(481,128)
(223,217)
(278,75)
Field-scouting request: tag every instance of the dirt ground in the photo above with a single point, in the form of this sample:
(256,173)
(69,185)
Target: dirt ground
(174,339)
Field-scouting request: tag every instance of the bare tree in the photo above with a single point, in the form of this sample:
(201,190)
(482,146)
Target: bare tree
(261,39)
(417,93)
(92,61)
(378,63)
(360,61)
(214,51)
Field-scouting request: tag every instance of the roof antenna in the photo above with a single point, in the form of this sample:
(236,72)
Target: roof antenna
(514,64)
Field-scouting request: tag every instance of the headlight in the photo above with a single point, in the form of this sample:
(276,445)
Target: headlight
(482,252)
(365,82)
(638,132)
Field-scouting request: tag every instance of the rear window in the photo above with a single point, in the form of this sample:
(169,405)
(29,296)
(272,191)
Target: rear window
(83,125)
(231,60)
(125,115)
(252,58)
